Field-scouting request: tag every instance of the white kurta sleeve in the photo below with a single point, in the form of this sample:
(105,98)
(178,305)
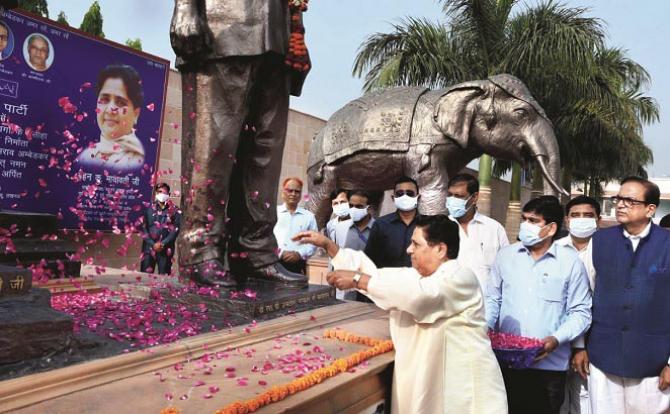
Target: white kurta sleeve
(348,259)
(427,299)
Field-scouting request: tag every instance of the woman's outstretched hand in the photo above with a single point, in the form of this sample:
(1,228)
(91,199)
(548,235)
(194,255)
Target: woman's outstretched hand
(312,237)
(317,239)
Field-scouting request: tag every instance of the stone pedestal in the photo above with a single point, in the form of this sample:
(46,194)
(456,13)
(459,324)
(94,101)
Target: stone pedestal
(265,301)
(32,235)
(29,327)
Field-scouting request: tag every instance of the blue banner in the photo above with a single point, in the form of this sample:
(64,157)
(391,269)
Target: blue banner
(80,126)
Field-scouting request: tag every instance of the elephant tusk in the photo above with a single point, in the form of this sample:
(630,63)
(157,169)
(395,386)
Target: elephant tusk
(547,176)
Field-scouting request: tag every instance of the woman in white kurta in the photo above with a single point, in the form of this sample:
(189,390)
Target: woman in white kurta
(444,362)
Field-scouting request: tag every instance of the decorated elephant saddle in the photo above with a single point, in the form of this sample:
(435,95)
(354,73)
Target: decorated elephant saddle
(377,121)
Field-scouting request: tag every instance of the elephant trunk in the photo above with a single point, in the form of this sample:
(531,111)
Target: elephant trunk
(545,151)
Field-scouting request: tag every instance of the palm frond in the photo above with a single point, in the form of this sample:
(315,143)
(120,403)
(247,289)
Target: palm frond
(417,52)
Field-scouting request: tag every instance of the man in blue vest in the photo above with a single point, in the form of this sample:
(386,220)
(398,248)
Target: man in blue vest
(628,347)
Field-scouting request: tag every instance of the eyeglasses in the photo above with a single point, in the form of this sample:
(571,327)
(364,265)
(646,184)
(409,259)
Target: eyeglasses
(4,38)
(409,193)
(627,201)
(292,191)
(39,49)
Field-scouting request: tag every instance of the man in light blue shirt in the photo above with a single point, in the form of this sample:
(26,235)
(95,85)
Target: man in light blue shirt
(539,289)
(291,220)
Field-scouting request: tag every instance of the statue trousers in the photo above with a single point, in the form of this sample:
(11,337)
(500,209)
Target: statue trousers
(235,112)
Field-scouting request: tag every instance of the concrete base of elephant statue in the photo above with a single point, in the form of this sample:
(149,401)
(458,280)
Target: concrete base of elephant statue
(429,136)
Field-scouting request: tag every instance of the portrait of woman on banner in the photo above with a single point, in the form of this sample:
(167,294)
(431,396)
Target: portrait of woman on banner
(119,100)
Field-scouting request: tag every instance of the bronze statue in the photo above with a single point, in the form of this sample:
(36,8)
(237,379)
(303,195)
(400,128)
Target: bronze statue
(236,87)
(429,135)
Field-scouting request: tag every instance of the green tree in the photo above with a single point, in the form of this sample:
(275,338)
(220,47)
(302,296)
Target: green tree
(134,43)
(92,23)
(38,7)
(62,18)
(591,93)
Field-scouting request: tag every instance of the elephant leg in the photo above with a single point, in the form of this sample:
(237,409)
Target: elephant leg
(319,195)
(432,178)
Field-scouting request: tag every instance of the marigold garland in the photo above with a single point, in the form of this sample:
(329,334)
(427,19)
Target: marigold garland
(297,57)
(170,410)
(279,392)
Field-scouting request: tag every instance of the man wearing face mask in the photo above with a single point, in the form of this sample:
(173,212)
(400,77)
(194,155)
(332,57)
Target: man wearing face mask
(340,204)
(161,227)
(354,233)
(481,236)
(627,356)
(539,289)
(392,234)
(583,219)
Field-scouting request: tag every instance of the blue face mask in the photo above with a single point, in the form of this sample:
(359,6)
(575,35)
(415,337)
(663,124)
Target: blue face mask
(457,206)
(529,234)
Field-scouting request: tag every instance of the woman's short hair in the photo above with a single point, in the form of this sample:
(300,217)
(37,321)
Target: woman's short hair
(440,229)
(130,78)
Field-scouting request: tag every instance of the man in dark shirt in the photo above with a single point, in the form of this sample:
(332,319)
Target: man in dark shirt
(161,227)
(391,234)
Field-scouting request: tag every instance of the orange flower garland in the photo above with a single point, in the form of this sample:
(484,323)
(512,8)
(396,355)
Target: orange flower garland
(297,57)
(279,392)
(170,410)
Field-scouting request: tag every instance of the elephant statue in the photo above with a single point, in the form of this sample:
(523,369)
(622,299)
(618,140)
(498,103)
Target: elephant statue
(429,135)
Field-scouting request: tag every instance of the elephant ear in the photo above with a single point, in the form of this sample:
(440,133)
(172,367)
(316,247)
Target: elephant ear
(456,108)
(517,89)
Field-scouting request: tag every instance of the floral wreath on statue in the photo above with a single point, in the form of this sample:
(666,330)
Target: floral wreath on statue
(297,57)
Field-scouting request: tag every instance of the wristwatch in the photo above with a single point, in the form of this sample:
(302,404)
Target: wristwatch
(356,278)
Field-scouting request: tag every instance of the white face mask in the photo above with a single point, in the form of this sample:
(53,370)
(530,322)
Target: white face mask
(406,203)
(162,197)
(583,227)
(358,214)
(529,234)
(341,210)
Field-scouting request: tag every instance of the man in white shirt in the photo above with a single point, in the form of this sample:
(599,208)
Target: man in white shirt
(291,220)
(481,236)
(582,219)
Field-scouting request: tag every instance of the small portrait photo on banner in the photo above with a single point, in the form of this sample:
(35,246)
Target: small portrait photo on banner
(38,52)
(6,41)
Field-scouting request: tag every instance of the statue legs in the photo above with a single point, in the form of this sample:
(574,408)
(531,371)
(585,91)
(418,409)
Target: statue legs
(234,118)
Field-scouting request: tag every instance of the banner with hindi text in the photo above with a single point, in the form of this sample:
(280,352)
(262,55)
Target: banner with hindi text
(80,123)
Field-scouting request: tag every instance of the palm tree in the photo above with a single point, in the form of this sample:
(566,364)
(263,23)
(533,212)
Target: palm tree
(591,93)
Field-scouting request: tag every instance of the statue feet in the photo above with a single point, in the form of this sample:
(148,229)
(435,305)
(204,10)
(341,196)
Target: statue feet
(278,274)
(211,273)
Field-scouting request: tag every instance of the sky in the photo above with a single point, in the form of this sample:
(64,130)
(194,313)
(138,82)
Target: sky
(336,28)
